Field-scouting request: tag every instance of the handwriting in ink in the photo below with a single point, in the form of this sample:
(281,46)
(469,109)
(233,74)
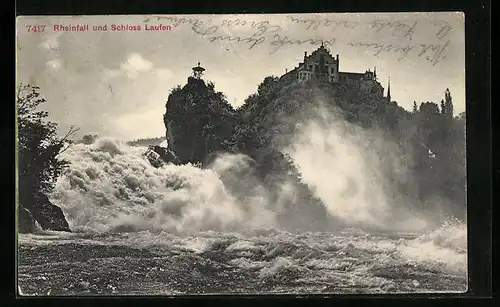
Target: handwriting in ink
(177,21)
(406,29)
(437,52)
(402,50)
(314,23)
(251,40)
(210,31)
(279,41)
(261,26)
(433,53)
(443,31)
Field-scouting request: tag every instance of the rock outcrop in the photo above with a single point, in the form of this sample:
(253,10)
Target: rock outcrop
(26,220)
(197,120)
(46,214)
(158,156)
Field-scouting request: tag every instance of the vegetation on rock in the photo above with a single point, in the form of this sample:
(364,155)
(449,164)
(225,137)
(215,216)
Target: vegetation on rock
(147,141)
(38,164)
(198,120)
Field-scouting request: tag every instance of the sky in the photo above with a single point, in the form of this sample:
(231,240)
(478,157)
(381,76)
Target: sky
(115,83)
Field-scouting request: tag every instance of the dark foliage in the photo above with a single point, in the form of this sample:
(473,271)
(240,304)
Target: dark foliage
(147,141)
(89,139)
(442,163)
(38,162)
(198,119)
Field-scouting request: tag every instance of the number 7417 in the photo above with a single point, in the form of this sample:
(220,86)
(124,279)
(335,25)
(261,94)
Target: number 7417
(35,28)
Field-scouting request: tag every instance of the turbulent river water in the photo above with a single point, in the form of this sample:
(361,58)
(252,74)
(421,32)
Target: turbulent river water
(179,230)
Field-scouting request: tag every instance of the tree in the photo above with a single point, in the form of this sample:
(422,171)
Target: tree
(415,108)
(89,139)
(442,172)
(268,85)
(38,149)
(448,103)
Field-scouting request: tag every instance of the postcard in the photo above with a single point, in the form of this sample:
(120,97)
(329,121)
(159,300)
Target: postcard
(241,154)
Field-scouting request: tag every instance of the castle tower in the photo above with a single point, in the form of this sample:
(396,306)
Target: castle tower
(304,73)
(198,71)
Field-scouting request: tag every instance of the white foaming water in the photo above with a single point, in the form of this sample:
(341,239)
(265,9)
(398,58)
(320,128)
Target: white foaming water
(111,195)
(434,262)
(338,174)
(343,165)
(111,187)
(446,245)
(164,144)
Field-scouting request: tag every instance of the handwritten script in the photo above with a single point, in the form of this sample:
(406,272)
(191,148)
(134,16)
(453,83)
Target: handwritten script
(375,32)
(433,53)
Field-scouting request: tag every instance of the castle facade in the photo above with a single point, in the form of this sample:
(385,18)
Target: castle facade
(322,66)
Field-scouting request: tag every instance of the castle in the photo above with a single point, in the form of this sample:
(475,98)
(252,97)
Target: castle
(322,66)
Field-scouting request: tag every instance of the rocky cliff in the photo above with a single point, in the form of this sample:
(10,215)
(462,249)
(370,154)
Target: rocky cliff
(198,119)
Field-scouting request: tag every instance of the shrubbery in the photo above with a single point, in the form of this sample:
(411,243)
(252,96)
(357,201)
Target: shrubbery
(38,163)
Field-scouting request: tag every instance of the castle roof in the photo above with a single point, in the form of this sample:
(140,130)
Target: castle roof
(198,68)
(352,74)
(321,48)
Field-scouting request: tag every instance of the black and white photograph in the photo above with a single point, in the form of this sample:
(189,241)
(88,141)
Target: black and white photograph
(241,154)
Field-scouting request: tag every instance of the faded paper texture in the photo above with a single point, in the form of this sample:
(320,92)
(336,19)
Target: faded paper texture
(241,154)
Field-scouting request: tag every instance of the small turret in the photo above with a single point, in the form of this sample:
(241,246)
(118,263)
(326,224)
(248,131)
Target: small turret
(198,71)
